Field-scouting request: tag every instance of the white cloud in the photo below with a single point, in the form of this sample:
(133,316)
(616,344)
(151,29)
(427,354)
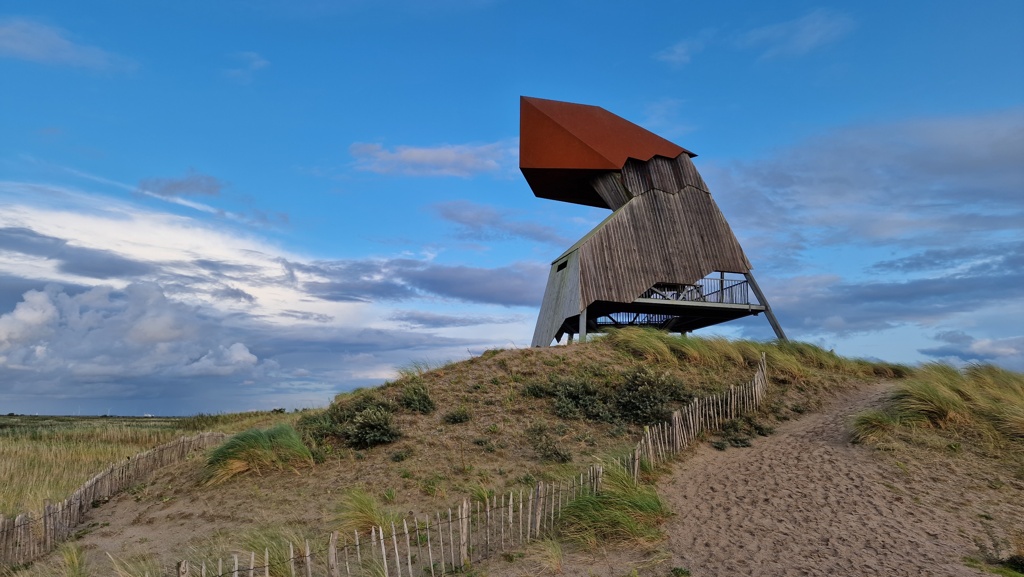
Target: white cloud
(462,160)
(247,64)
(25,39)
(149,305)
(682,52)
(800,36)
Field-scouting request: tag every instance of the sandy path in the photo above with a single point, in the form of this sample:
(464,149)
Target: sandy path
(805,501)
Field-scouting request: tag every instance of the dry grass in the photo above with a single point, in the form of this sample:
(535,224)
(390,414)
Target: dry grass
(49,457)
(359,511)
(982,406)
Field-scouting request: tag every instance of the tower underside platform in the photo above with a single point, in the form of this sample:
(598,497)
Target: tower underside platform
(671,308)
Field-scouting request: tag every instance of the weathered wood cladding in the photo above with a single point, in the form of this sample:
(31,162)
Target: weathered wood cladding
(660,173)
(666,229)
(561,299)
(675,236)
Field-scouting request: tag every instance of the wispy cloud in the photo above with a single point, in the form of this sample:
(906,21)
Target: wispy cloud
(246,65)
(800,36)
(461,160)
(193,183)
(429,320)
(930,206)
(931,184)
(482,222)
(682,52)
(25,39)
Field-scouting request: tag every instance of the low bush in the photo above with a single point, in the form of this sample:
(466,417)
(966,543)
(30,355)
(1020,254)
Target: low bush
(255,450)
(576,398)
(359,420)
(373,426)
(416,397)
(546,445)
(459,415)
(644,398)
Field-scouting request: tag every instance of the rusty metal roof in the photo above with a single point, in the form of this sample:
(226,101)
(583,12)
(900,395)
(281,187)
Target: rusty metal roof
(563,146)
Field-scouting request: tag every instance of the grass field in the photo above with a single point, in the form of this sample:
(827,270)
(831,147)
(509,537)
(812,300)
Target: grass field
(49,457)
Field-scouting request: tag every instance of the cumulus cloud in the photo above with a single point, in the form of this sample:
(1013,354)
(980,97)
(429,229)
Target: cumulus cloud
(482,222)
(960,347)
(108,333)
(930,207)
(193,183)
(461,160)
(799,36)
(25,39)
(159,306)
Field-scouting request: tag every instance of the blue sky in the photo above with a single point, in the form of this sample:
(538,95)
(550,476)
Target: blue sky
(240,205)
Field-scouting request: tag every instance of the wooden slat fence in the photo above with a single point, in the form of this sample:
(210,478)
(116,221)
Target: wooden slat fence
(448,542)
(28,536)
(662,442)
(451,541)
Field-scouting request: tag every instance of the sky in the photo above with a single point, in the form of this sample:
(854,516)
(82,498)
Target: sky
(237,205)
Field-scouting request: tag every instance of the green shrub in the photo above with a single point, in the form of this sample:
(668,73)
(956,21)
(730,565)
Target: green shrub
(373,426)
(643,399)
(255,450)
(537,390)
(360,420)
(459,415)
(577,398)
(546,446)
(416,397)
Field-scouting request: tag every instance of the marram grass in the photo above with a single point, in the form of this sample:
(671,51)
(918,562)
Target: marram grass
(622,511)
(360,511)
(256,450)
(982,401)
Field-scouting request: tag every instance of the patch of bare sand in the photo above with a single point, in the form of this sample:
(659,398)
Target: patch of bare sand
(806,501)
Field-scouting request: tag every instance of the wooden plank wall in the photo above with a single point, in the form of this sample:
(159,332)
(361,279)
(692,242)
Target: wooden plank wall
(666,229)
(671,236)
(561,300)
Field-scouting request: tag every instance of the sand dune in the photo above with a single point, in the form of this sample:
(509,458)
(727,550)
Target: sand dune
(805,501)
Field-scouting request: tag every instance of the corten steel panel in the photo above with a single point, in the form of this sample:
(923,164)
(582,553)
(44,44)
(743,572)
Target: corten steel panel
(563,146)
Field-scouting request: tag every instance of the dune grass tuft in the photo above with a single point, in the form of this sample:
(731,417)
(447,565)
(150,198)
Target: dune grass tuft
(254,451)
(982,401)
(622,512)
(360,511)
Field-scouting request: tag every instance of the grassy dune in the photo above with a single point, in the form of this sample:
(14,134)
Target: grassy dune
(495,423)
(49,457)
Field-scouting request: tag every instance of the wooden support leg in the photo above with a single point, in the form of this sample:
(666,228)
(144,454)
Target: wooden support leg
(767,308)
